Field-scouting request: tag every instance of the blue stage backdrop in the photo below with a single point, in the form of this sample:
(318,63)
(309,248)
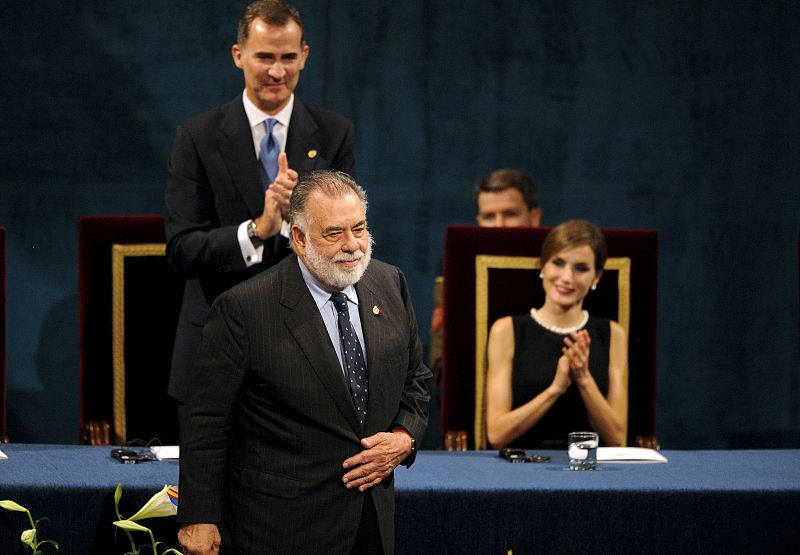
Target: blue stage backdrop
(677,116)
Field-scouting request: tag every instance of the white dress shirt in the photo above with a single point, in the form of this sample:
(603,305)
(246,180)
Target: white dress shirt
(253,254)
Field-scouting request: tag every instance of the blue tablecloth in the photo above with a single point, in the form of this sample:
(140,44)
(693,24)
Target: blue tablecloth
(686,471)
(699,502)
(471,502)
(73,486)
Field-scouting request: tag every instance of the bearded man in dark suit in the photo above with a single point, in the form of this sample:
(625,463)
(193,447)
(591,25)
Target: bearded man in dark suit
(290,445)
(233,169)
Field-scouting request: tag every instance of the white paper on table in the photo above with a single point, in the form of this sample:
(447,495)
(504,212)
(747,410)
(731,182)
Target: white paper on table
(3,455)
(629,455)
(166,452)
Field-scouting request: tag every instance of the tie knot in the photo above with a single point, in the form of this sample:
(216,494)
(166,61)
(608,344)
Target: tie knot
(340,302)
(270,123)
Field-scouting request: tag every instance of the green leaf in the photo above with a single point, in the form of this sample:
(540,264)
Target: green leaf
(117,497)
(9,505)
(130,526)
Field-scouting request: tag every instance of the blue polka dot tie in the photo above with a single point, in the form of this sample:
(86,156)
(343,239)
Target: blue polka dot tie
(269,152)
(353,357)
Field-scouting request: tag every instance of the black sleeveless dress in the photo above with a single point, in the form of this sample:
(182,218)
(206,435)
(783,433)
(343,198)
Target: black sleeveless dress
(536,354)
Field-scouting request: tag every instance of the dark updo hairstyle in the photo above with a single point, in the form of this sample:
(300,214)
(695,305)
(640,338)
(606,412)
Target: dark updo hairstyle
(574,233)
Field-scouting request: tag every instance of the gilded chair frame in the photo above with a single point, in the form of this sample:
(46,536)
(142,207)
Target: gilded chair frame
(119,252)
(3,298)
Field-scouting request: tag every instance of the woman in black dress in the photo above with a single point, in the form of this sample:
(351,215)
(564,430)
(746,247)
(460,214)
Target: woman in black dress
(557,369)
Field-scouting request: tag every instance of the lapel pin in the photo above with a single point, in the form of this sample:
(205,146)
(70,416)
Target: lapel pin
(376,310)
(312,153)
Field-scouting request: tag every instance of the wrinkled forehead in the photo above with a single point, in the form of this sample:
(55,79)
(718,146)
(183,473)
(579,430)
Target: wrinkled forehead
(340,209)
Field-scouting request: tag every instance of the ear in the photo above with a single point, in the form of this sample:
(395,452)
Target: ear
(304,56)
(299,240)
(236,53)
(536,217)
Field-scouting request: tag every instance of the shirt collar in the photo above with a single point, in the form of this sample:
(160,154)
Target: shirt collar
(321,293)
(256,117)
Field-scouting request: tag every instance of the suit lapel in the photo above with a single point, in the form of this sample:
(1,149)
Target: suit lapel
(374,327)
(302,148)
(236,147)
(306,326)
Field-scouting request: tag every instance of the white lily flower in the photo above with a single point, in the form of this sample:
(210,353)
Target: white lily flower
(28,537)
(9,505)
(163,503)
(130,526)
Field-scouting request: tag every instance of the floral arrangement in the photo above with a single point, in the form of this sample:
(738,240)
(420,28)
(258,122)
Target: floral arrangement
(163,503)
(29,536)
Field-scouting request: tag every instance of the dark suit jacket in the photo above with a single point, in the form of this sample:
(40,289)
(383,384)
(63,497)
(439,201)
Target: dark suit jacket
(270,418)
(214,183)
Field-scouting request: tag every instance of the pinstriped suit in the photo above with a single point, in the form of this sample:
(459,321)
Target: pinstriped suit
(215,183)
(270,418)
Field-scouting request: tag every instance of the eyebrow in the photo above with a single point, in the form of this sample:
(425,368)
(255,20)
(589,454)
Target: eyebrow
(333,228)
(270,54)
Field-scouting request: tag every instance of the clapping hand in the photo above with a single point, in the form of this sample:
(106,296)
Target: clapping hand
(576,352)
(276,200)
(284,184)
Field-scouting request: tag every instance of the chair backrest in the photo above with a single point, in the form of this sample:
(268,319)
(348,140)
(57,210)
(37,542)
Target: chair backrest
(492,272)
(3,313)
(129,305)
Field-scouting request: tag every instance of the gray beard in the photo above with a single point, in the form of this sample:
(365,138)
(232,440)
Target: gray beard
(331,275)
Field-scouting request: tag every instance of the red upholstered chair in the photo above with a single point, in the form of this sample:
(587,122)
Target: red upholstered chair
(492,272)
(3,292)
(129,304)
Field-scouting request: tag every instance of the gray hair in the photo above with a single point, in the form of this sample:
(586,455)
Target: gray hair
(328,182)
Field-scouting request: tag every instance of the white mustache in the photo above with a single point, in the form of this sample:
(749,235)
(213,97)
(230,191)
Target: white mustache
(358,255)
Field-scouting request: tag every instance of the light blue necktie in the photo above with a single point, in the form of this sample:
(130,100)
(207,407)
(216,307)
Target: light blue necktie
(353,357)
(269,152)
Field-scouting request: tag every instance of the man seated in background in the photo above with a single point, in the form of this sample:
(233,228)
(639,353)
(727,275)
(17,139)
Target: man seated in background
(507,198)
(504,198)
